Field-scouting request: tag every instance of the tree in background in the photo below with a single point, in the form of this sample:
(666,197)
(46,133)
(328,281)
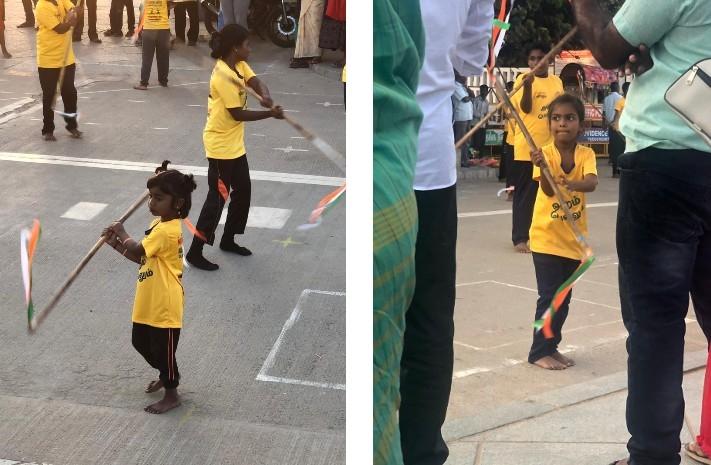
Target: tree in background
(540,20)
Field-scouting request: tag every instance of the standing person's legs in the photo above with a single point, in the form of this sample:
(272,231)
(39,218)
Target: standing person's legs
(29,14)
(91,7)
(193,32)
(48,81)
(130,16)
(241,9)
(69,98)
(660,224)
(701,297)
(503,164)
(238,209)
(523,201)
(460,128)
(510,165)
(150,40)
(79,28)
(551,272)
(163,56)
(141,341)
(428,354)
(163,344)
(115,14)
(211,211)
(179,10)
(228,13)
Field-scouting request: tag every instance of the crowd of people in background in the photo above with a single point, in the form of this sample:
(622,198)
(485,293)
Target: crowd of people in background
(322,25)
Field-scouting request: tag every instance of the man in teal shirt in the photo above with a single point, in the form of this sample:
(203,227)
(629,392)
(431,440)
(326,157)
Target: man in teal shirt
(664,213)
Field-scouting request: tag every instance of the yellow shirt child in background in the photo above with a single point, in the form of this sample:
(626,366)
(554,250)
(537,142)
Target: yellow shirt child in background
(556,252)
(158,306)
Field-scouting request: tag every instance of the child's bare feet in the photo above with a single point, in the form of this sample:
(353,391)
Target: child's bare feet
(522,247)
(74,133)
(550,363)
(6,54)
(49,137)
(563,359)
(154,386)
(168,402)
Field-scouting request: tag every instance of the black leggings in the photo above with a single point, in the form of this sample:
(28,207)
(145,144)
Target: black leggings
(234,174)
(158,345)
(48,80)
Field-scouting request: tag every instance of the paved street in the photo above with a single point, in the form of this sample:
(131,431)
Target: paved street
(262,352)
(505,411)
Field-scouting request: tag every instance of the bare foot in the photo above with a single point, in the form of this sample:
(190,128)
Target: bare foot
(549,363)
(621,462)
(168,402)
(75,133)
(6,54)
(522,247)
(49,137)
(563,359)
(694,451)
(140,87)
(154,386)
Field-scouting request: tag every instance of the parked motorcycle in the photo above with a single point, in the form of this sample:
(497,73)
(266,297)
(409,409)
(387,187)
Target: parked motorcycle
(275,19)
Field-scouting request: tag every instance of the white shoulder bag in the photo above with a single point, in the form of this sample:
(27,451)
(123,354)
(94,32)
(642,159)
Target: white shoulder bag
(689,97)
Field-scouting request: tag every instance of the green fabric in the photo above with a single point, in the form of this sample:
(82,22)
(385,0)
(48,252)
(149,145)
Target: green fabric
(398,46)
(678,33)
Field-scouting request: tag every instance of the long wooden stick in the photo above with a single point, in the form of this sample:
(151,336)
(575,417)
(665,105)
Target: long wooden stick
(40,316)
(543,62)
(587,250)
(325,148)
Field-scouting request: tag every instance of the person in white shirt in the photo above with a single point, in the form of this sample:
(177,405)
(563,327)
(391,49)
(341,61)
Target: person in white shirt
(481,108)
(456,37)
(608,104)
(463,114)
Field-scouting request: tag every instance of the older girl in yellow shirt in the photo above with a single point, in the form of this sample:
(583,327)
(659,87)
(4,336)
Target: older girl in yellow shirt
(224,143)
(556,252)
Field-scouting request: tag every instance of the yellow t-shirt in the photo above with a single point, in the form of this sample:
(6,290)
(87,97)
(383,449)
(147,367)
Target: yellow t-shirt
(156,14)
(159,291)
(620,105)
(544,90)
(510,128)
(549,232)
(223,135)
(52,47)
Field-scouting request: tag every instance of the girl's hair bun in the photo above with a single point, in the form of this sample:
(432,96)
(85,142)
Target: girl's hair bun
(189,183)
(216,44)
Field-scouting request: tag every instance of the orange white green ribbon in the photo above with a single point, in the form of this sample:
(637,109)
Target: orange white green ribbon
(28,244)
(324,205)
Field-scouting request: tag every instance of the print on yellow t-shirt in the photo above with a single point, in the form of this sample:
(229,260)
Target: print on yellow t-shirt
(159,291)
(156,14)
(549,233)
(223,136)
(544,90)
(52,47)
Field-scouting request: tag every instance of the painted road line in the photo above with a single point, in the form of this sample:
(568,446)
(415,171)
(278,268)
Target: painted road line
(508,212)
(469,372)
(84,211)
(271,357)
(15,105)
(15,462)
(131,88)
(136,101)
(161,129)
(273,176)
(289,149)
(263,217)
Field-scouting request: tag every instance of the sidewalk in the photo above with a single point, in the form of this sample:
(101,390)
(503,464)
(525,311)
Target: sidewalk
(581,424)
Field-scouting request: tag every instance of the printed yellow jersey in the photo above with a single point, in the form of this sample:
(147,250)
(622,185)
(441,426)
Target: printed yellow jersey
(155,14)
(54,50)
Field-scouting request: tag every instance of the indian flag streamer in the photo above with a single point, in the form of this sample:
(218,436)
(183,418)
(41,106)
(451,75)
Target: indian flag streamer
(28,244)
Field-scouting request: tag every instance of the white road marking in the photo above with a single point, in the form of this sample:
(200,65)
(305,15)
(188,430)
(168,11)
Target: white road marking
(196,105)
(289,149)
(269,361)
(292,111)
(136,101)
(467,345)
(84,211)
(329,104)
(131,88)
(15,105)
(92,124)
(297,137)
(35,119)
(258,135)
(273,176)
(160,129)
(508,212)
(84,98)
(15,462)
(263,217)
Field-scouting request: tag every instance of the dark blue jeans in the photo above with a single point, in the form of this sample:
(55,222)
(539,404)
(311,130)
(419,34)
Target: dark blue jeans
(664,249)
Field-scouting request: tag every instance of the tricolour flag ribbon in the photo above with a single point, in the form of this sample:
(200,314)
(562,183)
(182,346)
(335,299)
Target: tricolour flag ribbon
(28,244)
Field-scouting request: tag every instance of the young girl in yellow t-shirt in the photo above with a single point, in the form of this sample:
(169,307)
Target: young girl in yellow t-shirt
(158,305)
(556,252)
(223,137)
